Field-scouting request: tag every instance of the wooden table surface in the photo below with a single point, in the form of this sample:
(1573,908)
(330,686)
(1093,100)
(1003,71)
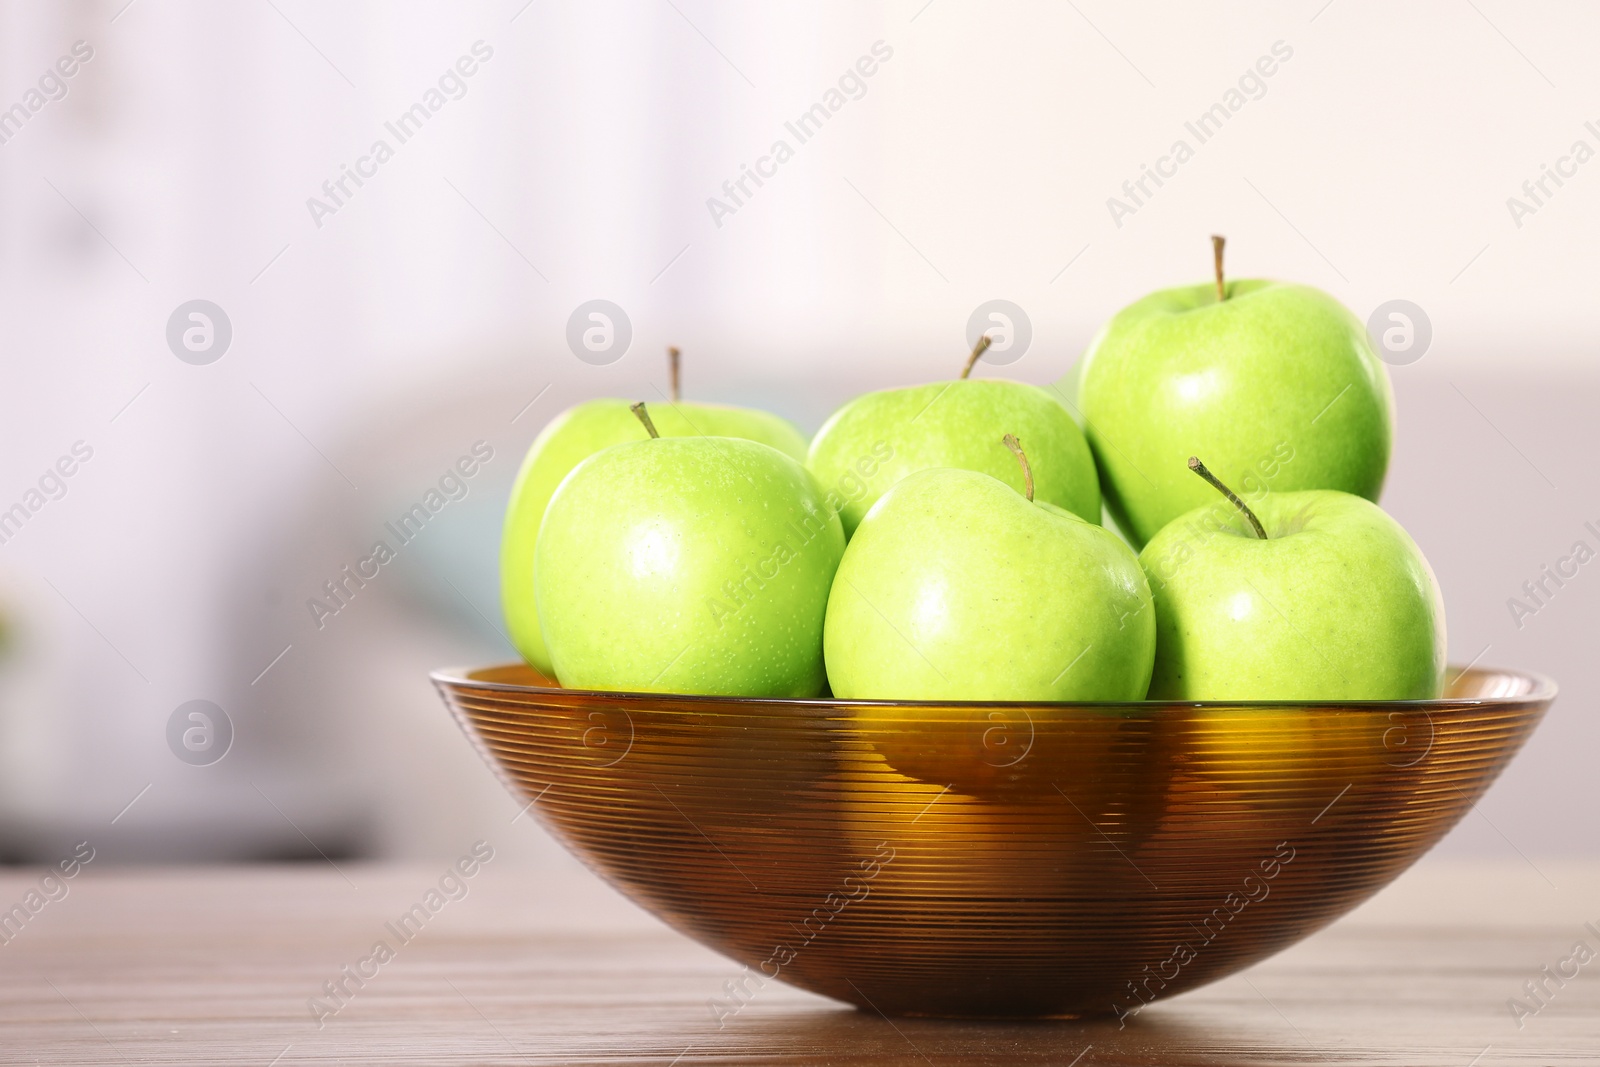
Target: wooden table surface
(546,966)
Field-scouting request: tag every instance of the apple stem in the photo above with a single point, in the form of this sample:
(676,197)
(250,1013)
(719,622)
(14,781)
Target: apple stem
(1200,469)
(674,357)
(1216,255)
(977,353)
(1011,442)
(644,416)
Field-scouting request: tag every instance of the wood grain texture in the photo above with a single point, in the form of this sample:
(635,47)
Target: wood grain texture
(216,966)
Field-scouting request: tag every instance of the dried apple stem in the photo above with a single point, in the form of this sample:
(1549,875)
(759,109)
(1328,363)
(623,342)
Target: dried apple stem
(977,353)
(1011,442)
(674,357)
(644,416)
(1200,469)
(1216,255)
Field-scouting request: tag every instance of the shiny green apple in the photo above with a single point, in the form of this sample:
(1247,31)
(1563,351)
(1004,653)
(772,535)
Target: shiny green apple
(1336,603)
(573,436)
(687,565)
(1277,387)
(877,439)
(957,587)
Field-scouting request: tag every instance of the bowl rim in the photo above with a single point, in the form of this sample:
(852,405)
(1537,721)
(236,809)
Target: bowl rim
(1541,689)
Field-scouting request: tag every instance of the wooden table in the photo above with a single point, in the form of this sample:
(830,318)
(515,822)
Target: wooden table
(541,966)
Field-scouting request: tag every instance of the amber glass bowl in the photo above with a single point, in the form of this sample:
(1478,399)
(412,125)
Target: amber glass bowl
(988,860)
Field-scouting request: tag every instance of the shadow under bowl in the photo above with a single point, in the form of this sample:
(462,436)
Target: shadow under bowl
(994,859)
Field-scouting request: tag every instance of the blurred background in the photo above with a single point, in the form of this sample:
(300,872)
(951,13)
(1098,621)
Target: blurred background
(369,315)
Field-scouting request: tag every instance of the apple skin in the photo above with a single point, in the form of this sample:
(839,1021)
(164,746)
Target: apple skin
(953,424)
(1337,604)
(687,565)
(575,435)
(956,587)
(1274,368)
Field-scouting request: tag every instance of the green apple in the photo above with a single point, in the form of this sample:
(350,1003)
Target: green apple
(1276,385)
(877,439)
(958,587)
(575,435)
(687,565)
(1336,602)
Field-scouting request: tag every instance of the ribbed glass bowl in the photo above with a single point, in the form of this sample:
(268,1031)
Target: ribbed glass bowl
(1003,859)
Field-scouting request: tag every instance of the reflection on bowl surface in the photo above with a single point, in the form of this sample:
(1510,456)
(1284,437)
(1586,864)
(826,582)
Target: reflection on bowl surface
(994,859)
